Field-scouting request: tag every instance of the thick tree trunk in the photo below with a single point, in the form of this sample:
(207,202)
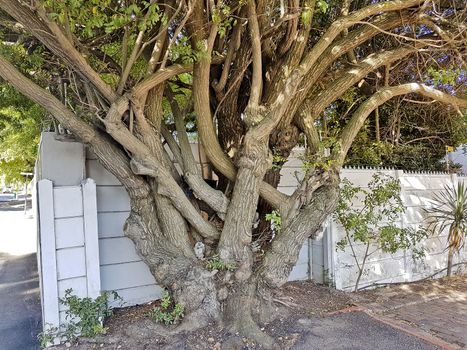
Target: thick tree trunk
(252,302)
(181,273)
(282,142)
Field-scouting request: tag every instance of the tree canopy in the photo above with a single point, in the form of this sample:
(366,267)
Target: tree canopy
(131,79)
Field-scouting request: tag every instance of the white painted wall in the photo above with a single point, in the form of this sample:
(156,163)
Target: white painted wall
(82,245)
(339,267)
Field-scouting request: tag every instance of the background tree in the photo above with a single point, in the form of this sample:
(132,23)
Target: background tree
(21,121)
(252,77)
(413,135)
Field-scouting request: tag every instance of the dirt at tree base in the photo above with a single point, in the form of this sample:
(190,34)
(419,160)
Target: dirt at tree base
(131,328)
(309,316)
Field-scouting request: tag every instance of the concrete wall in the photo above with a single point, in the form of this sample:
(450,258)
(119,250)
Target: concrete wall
(417,191)
(338,268)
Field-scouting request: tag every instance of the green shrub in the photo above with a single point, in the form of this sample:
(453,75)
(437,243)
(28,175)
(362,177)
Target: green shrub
(375,222)
(85,318)
(215,263)
(168,312)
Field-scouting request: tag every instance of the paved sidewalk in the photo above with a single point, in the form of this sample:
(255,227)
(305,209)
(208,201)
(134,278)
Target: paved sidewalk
(19,285)
(431,308)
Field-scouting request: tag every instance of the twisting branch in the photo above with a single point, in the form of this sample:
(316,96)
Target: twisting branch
(56,41)
(144,163)
(299,44)
(313,107)
(161,75)
(177,32)
(207,132)
(191,172)
(158,41)
(358,118)
(345,22)
(133,57)
(113,158)
(344,12)
(337,49)
(233,46)
(257,80)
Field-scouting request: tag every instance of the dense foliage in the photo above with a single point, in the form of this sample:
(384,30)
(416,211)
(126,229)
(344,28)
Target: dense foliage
(20,127)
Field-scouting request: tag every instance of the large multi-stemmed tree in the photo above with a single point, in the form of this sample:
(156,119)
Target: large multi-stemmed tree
(131,79)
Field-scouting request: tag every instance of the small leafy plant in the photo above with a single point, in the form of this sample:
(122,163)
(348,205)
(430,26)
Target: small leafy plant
(48,335)
(85,318)
(275,218)
(374,223)
(86,315)
(168,312)
(215,263)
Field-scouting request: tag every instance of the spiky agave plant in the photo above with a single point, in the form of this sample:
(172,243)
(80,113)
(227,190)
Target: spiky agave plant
(450,212)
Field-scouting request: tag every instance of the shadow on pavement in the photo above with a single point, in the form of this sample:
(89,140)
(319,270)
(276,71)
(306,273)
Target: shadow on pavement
(16,205)
(20,309)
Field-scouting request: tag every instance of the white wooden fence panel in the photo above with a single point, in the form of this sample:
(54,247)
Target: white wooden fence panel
(111,224)
(78,285)
(128,275)
(138,295)
(69,232)
(99,174)
(71,262)
(301,270)
(68,202)
(112,199)
(91,238)
(47,263)
(117,250)
(69,246)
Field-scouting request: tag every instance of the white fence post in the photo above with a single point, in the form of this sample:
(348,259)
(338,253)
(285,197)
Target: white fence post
(91,240)
(48,264)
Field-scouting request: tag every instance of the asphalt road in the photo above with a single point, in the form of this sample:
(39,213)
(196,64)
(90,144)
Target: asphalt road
(355,331)
(20,311)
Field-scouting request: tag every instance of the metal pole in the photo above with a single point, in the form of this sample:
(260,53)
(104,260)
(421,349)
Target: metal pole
(25,195)
(26,190)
